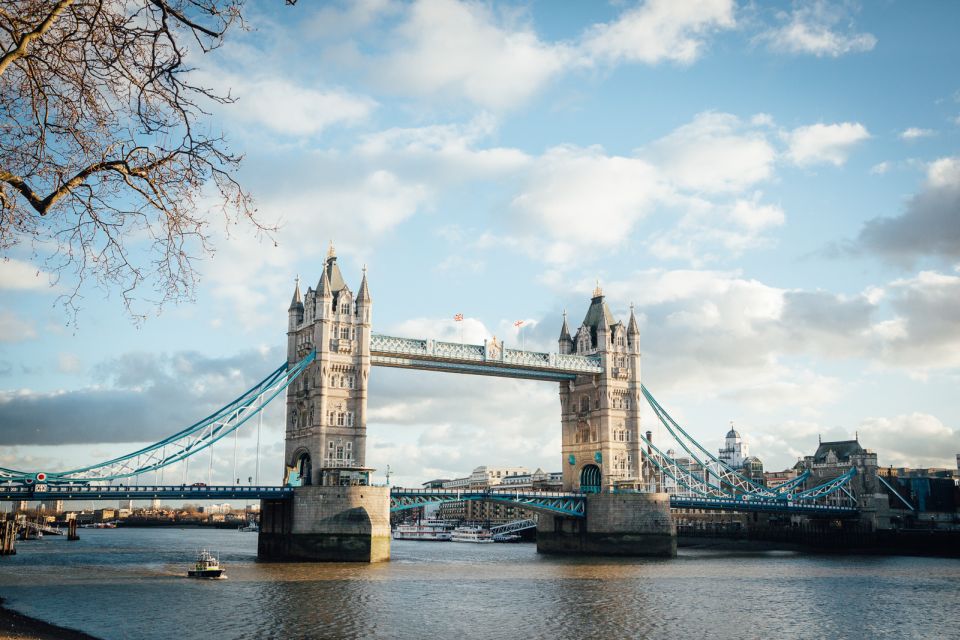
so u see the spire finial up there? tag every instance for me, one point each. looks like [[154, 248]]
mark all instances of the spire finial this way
[[564, 315], [331, 252], [598, 291], [297, 280], [364, 269]]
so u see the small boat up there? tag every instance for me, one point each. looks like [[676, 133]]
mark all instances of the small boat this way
[[472, 534], [207, 566], [435, 530], [250, 526]]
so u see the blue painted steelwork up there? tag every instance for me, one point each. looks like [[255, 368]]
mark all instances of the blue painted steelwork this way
[[763, 505], [896, 493], [571, 504], [182, 444], [145, 492], [477, 369]]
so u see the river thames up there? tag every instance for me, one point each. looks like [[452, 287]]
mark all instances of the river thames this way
[[129, 583]]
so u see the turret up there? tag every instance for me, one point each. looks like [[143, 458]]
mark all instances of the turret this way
[[364, 300], [633, 332], [324, 296], [565, 341]]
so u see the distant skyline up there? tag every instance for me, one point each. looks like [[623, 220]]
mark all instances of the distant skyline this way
[[774, 186]]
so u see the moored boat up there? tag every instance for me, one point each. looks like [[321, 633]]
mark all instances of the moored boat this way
[[206, 566], [430, 530], [472, 534]]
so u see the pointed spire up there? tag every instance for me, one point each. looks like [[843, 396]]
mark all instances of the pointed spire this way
[[632, 327], [297, 302], [565, 330], [364, 295], [323, 287], [331, 252]]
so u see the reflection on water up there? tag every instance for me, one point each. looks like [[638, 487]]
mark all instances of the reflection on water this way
[[129, 583]]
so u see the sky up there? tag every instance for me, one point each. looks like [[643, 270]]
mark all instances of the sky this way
[[774, 186]]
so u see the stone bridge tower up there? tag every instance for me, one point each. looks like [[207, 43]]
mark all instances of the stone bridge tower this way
[[601, 412], [327, 405]]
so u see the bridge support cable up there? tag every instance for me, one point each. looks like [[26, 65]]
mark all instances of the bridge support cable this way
[[741, 485], [182, 445], [721, 470]]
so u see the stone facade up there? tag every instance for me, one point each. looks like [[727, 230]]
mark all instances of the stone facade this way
[[327, 406], [617, 524], [600, 413]]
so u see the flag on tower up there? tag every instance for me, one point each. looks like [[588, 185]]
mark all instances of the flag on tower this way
[[518, 323], [458, 317]]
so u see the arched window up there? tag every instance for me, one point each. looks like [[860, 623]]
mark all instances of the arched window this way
[[584, 403]]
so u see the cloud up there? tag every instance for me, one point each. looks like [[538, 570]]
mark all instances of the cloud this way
[[454, 49], [714, 153], [929, 225], [880, 168], [285, 106], [824, 143], [659, 30], [915, 133], [583, 196], [911, 440], [13, 328], [17, 275], [140, 398], [811, 29]]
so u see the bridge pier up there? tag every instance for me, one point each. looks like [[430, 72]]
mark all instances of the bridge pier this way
[[326, 524], [616, 524]]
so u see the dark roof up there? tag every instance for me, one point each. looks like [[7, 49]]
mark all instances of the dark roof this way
[[297, 302], [598, 315], [733, 433], [565, 330], [843, 449], [364, 294], [336, 278]]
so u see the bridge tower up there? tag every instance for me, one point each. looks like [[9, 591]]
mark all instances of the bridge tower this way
[[600, 413], [327, 407], [335, 514]]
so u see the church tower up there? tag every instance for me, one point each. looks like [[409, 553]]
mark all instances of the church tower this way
[[601, 412], [327, 405]]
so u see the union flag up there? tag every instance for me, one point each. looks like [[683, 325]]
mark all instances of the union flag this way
[[458, 317]]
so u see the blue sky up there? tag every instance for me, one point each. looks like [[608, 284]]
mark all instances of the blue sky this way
[[776, 187]]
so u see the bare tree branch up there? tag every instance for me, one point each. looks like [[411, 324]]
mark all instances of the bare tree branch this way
[[104, 171]]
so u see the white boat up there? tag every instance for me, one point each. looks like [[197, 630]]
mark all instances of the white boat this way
[[472, 534], [250, 526], [433, 530]]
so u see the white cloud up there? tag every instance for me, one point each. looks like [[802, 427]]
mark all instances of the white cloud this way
[[13, 328], [19, 275], [462, 49], [713, 153], [811, 28], [914, 133], [880, 168], [584, 196], [915, 439], [291, 108], [824, 143], [659, 30]]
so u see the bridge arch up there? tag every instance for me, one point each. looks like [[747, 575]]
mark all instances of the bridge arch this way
[[300, 470], [590, 478]]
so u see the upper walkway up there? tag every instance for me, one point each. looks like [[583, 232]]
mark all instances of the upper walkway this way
[[489, 359]]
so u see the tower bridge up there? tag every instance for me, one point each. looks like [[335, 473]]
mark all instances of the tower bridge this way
[[615, 480]]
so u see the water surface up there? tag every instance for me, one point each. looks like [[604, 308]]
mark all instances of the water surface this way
[[130, 583]]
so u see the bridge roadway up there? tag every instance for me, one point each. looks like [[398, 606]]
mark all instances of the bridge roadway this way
[[570, 504]]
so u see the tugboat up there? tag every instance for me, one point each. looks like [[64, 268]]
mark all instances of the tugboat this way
[[207, 566]]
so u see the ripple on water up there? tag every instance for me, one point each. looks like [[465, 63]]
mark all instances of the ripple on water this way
[[129, 583]]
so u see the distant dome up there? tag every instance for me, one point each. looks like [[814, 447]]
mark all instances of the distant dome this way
[[733, 434]]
